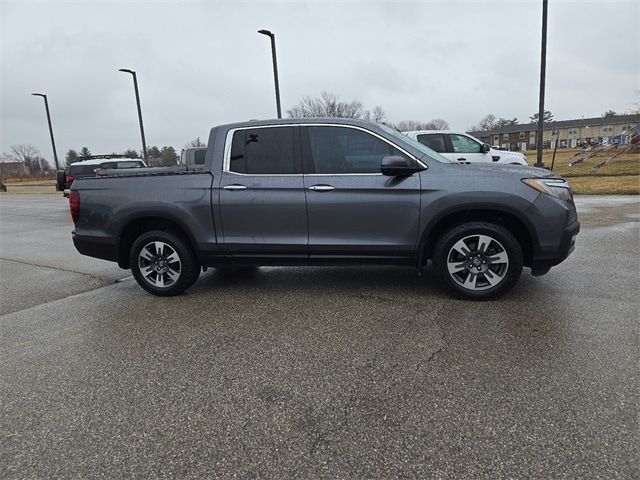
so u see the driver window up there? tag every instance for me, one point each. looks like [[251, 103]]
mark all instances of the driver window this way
[[340, 150], [462, 144]]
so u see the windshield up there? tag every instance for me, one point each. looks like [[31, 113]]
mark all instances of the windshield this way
[[416, 144]]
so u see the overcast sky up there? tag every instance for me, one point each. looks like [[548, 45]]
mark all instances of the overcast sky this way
[[202, 63]]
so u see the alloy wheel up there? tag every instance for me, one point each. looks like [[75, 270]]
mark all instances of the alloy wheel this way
[[478, 262], [159, 264]]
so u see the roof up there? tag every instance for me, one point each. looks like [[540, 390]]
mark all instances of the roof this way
[[297, 121], [577, 123]]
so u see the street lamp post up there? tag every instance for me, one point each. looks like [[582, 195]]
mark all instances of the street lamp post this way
[[53, 143], [135, 86], [272, 36], [543, 68]]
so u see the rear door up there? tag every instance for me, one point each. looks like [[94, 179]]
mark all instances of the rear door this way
[[438, 142], [262, 200], [354, 210]]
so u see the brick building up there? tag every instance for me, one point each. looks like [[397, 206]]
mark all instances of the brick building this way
[[12, 169], [568, 133]]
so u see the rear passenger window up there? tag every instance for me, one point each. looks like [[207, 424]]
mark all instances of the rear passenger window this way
[[198, 157], [340, 150], [263, 151], [132, 164], [435, 141]]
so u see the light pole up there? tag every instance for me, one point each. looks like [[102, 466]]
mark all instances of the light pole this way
[[272, 36], [543, 68], [135, 86], [53, 143]]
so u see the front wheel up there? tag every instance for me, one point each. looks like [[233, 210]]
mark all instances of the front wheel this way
[[478, 260], [163, 263]]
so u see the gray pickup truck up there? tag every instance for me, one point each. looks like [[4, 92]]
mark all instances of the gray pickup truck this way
[[325, 192]]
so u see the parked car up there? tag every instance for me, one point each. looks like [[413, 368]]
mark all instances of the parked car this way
[[324, 192], [88, 166], [462, 147], [193, 156]]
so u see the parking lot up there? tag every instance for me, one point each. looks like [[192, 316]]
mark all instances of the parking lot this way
[[338, 372]]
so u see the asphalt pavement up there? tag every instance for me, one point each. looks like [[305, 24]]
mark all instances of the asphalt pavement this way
[[358, 372]]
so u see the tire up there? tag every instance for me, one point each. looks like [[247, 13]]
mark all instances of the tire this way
[[163, 263], [478, 260], [61, 179]]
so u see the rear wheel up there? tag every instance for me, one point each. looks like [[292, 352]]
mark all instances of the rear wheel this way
[[163, 263], [478, 260]]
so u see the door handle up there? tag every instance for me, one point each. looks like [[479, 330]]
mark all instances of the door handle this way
[[234, 187], [321, 188], [462, 159]]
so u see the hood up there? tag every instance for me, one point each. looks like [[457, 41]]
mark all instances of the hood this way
[[506, 153], [493, 169]]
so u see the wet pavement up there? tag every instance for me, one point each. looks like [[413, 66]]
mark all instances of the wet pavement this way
[[316, 372]]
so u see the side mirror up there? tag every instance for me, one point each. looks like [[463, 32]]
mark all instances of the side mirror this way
[[395, 166], [485, 148]]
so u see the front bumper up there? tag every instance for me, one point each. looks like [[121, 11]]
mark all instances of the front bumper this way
[[543, 262]]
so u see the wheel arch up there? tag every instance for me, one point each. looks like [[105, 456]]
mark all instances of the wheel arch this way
[[134, 227], [493, 214]]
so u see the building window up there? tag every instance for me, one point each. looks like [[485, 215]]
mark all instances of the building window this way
[[573, 131], [505, 136], [521, 135], [607, 128]]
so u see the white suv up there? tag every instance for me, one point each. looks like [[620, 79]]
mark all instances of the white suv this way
[[464, 148]]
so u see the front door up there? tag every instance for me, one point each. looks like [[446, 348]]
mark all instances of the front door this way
[[467, 149], [353, 210], [262, 200]]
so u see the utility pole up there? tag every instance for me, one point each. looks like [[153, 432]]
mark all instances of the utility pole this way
[[543, 68], [272, 36], [135, 86], [53, 143]]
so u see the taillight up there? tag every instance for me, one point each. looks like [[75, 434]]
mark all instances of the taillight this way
[[70, 179], [74, 205]]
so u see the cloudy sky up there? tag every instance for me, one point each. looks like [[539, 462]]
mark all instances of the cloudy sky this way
[[202, 63]]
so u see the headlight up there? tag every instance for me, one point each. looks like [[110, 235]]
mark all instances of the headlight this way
[[556, 187]]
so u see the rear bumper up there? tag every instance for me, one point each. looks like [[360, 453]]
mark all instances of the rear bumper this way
[[105, 248]]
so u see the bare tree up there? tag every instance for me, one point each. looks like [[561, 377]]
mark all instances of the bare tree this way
[[196, 142], [330, 105], [35, 163], [409, 125], [488, 122], [438, 124], [376, 116], [24, 152]]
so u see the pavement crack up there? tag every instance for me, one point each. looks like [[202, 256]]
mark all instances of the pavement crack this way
[[90, 275]]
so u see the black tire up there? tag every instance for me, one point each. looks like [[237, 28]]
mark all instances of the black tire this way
[[491, 258], [61, 179], [175, 276]]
